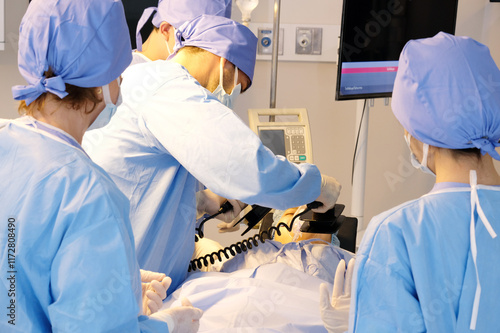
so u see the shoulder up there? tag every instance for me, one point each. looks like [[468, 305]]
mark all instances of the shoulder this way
[[160, 80]]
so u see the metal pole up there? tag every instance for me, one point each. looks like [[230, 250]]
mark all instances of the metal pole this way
[[358, 183], [274, 62]]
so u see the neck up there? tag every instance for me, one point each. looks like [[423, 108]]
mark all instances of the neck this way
[[154, 47], [203, 66], [73, 122], [456, 169]]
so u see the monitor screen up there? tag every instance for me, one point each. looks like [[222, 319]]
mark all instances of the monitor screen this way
[[373, 34], [274, 140], [133, 12]]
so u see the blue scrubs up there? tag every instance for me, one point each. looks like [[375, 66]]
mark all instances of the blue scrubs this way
[[67, 257], [168, 134], [414, 269]]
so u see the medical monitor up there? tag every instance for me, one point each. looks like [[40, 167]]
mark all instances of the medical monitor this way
[[373, 34], [284, 131], [133, 12]]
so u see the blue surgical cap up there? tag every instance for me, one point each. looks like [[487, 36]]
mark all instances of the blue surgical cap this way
[[447, 93], [221, 36], [84, 42], [176, 12]]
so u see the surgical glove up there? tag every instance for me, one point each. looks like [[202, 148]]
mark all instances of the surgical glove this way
[[210, 203], [153, 294], [228, 227], [148, 276], [330, 191], [335, 313], [182, 319]]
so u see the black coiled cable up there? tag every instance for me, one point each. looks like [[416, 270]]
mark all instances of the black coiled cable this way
[[226, 206], [243, 246]]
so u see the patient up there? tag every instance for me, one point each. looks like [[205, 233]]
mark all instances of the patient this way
[[273, 287]]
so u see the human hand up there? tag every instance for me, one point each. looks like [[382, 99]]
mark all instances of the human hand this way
[[330, 191], [148, 276], [153, 294], [182, 319], [335, 312], [210, 203]]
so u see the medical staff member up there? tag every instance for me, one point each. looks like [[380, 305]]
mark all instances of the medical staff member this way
[[432, 264], [168, 16], [67, 249], [172, 131]]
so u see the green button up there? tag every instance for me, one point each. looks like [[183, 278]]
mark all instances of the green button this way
[[302, 157]]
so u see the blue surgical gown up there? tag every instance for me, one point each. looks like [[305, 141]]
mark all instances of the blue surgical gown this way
[[73, 268], [414, 269], [168, 134]]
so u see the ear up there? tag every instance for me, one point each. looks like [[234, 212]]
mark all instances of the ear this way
[[164, 29]]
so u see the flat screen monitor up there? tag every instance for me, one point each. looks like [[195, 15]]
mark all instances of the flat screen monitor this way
[[373, 34], [133, 12], [274, 140]]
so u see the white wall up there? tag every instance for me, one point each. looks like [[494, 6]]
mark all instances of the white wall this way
[[390, 178]]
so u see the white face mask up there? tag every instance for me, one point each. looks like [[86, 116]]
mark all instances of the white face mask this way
[[220, 93], [105, 116], [416, 164]]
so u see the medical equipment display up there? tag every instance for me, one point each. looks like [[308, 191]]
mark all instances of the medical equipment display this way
[[288, 135], [133, 12], [373, 35]]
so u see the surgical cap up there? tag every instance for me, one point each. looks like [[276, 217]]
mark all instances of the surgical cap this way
[[84, 42], [176, 12], [221, 36], [447, 93]]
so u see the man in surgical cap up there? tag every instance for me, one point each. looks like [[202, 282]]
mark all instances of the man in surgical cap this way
[[432, 264], [172, 132], [168, 16]]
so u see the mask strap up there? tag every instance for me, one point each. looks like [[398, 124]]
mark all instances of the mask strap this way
[[168, 48], [425, 154], [475, 205], [235, 75], [221, 82], [106, 94]]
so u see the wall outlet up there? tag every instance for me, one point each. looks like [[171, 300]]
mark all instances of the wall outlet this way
[[265, 43]]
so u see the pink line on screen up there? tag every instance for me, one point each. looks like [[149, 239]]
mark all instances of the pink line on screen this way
[[369, 70]]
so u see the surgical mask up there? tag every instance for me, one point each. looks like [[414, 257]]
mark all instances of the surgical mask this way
[[105, 116], [416, 164], [220, 93]]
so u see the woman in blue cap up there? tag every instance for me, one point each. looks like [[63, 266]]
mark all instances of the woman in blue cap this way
[[67, 249], [433, 264]]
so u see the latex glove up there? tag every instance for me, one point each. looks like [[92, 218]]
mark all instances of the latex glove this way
[[228, 227], [209, 202], [148, 276], [153, 294], [330, 191], [335, 313], [182, 319]]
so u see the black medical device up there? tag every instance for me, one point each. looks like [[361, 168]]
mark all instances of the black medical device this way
[[373, 34], [328, 222], [253, 217]]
